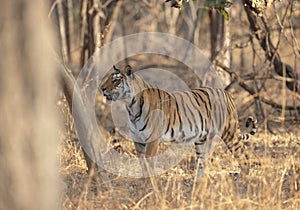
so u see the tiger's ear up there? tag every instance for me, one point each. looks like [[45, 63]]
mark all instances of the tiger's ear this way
[[116, 69], [128, 71]]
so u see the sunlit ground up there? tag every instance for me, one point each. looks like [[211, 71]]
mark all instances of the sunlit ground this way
[[273, 185]]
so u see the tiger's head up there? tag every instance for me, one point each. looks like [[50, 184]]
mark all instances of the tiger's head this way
[[116, 86]]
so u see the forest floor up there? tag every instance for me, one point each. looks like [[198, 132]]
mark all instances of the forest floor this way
[[272, 185]]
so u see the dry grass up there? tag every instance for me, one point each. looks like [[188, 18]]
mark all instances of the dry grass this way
[[274, 185]]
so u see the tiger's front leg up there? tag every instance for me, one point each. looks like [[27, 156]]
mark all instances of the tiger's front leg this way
[[140, 151], [146, 152]]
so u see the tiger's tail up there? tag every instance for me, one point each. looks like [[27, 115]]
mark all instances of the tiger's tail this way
[[249, 122]]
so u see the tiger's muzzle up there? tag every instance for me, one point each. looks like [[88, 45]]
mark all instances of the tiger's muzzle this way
[[109, 96]]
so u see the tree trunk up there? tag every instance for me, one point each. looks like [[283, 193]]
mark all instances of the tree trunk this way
[[71, 31], [28, 123], [261, 29], [219, 42], [87, 30], [63, 32]]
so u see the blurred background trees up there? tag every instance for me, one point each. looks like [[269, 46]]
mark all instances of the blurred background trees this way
[[256, 40], [253, 44]]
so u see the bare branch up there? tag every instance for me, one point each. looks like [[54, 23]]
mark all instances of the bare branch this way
[[262, 33], [251, 91]]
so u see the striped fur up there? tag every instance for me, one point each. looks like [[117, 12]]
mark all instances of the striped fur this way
[[198, 115]]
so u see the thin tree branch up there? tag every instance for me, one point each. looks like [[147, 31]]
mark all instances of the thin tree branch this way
[[251, 91], [262, 33]]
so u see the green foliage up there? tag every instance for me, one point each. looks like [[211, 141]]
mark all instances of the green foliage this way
[[220, 6]]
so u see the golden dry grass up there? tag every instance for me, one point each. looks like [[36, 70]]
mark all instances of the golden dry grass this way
[[273, 185]]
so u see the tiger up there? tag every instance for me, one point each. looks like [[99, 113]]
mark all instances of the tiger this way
[[195, 116]]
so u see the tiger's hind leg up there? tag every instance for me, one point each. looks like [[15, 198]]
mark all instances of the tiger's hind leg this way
[[237, 148], [234, 141], [200, 156], [204, 148]]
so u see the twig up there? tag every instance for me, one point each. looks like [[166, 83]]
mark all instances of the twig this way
[[147, 3], [142, 199], [52, 8], [108, 2], [251, 91]]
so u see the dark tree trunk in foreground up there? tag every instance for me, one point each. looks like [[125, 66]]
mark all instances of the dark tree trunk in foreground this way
[[28, 122]]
